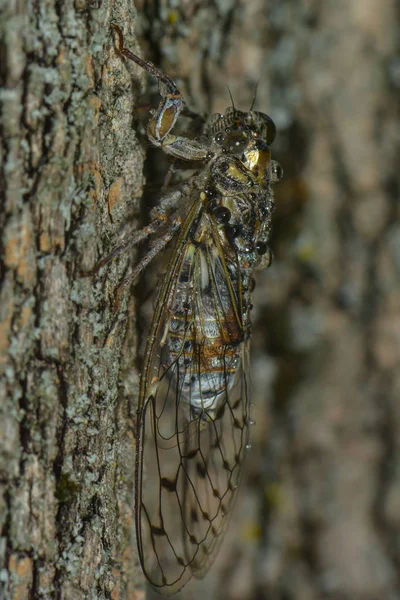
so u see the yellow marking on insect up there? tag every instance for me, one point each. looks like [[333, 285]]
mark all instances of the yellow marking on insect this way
[[203, 197], [170, 139], [235, 173], [258, 161], [252, 158]]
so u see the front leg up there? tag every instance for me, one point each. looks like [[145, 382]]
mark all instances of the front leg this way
[[164, 118]]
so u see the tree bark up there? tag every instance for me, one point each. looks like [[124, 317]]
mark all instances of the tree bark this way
[[319, 514], [71, 177]]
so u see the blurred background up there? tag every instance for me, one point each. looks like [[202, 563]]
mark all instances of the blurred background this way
[[318, 515]]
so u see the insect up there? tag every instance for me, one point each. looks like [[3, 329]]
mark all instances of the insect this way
[[193, 415]]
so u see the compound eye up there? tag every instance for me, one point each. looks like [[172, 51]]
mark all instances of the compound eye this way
[[268, 126], [220, 138]]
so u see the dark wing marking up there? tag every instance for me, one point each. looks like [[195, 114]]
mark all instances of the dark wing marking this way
[[193, 413]]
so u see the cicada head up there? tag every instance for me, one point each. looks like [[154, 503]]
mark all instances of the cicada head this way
[[247, 135], [261, 125]]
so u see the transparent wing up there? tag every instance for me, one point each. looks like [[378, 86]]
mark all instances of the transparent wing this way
[[193, 414]]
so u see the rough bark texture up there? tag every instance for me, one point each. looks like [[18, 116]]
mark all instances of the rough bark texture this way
[[319, 512], [71, 176]]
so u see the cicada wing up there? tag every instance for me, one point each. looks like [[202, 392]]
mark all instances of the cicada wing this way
[[193, 418], [214, 475]]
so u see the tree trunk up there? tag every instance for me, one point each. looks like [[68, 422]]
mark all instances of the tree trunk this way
[[318, 515], [71, 177]]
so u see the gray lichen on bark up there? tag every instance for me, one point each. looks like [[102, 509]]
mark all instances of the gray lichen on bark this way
[[71, 176]]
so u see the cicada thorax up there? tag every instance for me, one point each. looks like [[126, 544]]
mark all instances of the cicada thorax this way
[[242, 207]]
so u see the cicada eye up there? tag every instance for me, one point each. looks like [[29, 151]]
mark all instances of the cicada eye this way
[[268, 127], [220, 138]]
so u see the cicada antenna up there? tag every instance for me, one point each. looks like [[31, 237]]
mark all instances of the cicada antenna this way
[[231, 97], [254, 96], [145, 64]]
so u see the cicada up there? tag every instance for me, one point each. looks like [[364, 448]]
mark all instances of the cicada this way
[[193, 415]]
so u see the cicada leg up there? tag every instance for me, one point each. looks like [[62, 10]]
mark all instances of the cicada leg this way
[[159, 218], [165, 116], [155, 249], [132, 240]]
